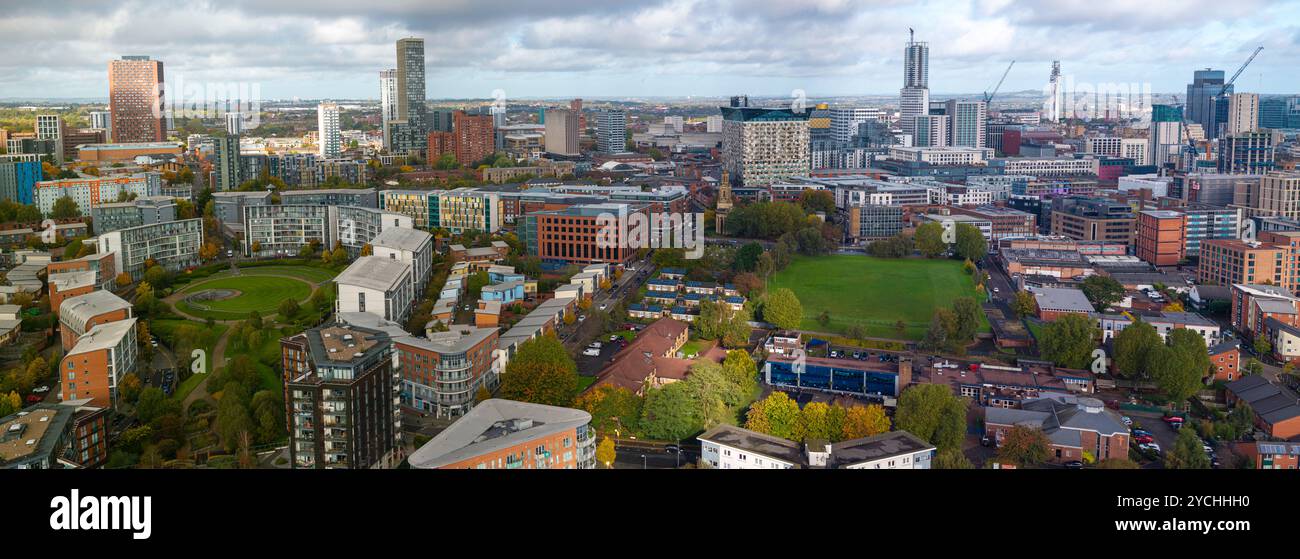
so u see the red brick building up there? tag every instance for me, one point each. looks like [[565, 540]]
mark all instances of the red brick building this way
[[1225, 359], [474, 137], [1161, 237], [1073, 426], [1270, 455]]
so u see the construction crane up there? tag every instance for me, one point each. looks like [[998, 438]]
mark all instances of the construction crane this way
[[988, 97], [1228, 83]]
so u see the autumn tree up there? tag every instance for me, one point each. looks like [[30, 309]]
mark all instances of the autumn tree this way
[[929, 239], [1024, 447], [606, 452], [782, 309], [776, 415], [1187, 453], [865, 421], [933, 413], [1024, 304], [541, 373], [1134, 347]]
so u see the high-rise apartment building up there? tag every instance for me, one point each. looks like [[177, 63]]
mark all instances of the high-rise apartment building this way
[[1277, 194], [1161, 237], [846, 121], [225, 170], [930, 131], [473, 137], [409, 131], [328, 138], [968, 122], [387, 102], [1165, 138], [136, 99], [1243, 113], [915, 96], [1250, 153], [561, 131], [50, 127], [611, 131], [341, 391], [761, 146]]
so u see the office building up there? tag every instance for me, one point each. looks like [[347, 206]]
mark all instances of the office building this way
[[341, 398], [574, 234], [102, 120], [845, 122], [136, 100], [1092, 219], [507, 435], [867, 222], [173, 245], [1231, 261], [1166, 137], [1250, 153], [1206, 85], [611, 131], [931, 131], [561, 131], [1161, 237], [328, 139]]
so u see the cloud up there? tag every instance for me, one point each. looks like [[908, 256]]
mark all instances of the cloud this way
[[334, 48]]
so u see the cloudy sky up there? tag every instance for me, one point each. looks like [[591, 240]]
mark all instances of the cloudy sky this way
[[626, 48]]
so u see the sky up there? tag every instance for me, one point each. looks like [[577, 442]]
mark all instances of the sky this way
[[334, 49]]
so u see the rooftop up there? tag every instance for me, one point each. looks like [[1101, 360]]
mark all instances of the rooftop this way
[[495, 425], [878, 447], [758, 443], [82, 308], [1061, 299], [374, 272], [103, 336], [401, 238]]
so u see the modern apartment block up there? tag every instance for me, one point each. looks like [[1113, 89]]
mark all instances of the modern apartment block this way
[[1206, 221], [19, 174], [68, 434], [458, 210], [328, 139], [1251, 153], [95, 364], [611, 131], [1277, 194], [968, 123], [50, 127], [1092, 219], [102, 265], [407, 133], [561, 132], [285, 228], [91, 192], [474, 135], [174, 245], [78, 315], [341, 391], [381, 286], [1231, 261], [147, 210], [507, 435], [360, 197], [387, 102], [442, 374], [761, 146], [867, 222], [413, 246], [226, 168], [732, 448], [136, 99], [1161, 237]]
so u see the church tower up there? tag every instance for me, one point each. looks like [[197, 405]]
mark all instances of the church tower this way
[[723, 203]]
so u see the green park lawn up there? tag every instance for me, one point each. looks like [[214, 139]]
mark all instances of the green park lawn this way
[[257, 292], [874, 293]]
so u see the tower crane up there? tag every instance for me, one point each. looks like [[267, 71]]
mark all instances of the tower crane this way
[[1228, 83], [988, 97]]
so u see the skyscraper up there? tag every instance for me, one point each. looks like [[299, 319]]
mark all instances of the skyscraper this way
[[914, 98], [1166, 134], [845, 121], [931, 131], [327, 130], [1205, 85], [226, 171], [611, 131], [761, 146], [561, 132], [136, 99], [388, 101], [409, 131], [576, 106]]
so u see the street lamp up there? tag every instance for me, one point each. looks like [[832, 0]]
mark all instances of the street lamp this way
[[643, 462]]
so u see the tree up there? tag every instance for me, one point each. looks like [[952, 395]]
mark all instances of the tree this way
[[929, 239], [1187, 453], [1133, 346], [149, 404], [1179, 368], [971, 244], [1117, 464], [967, 313], [747, 257], [864, 421], [65, 207], [951, 459], [612, 407], [782, 309], [482, 394], [775, 415], [123, 279], [1068, 341], [1102, 291], [1024, 447], [741, 370], [942, 327], [715, 394], [671, 412], [1262, 346], [933, 413], [1024, 304], [606, 453], [288, 309], [541, 373]]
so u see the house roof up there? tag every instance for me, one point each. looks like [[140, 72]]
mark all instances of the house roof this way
[[374, 272], [757, 443], [1061, 299]]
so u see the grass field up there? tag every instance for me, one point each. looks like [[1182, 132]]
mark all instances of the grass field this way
[[874, 293], [262, 289]]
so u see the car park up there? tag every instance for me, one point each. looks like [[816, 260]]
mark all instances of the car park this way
[[591, 352], [1154, 447], [1144, 439]]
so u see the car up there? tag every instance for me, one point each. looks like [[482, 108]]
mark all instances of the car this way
[[34, 398], [1142, 433], [603, 305], [41, 389], [1127, 420], [1154, 447], [1172, 419], [996, 290], [590, 352], [595, 345], [613, 337], [1073, 465], [581, 317], [672, 449], [1144, 439], [230, 254]]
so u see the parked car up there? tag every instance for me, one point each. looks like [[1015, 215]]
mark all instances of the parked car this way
[[613, 337], [1172, 419], [603, 305], [672, 449], [1127, 420], [1154, 447], [1144, 439], [41, 389], [1141, 433], [34, 398], [594, 345], [1073, 465], [589, 352]]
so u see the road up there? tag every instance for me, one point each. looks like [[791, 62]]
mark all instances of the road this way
[[582, 333], [632, 455]]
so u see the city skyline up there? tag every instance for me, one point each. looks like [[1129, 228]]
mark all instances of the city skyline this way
[[672, 48]]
